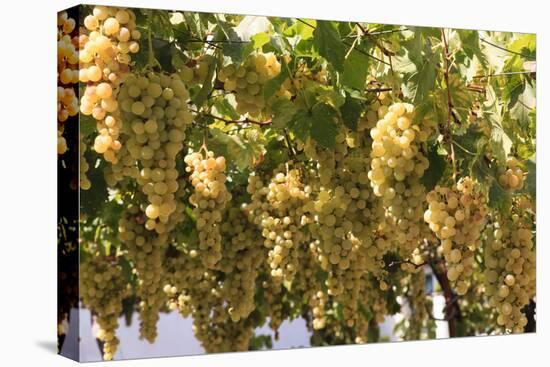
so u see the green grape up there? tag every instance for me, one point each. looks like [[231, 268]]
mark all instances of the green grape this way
[[457, 216], [102, 288], [209, 198], [510, 273]]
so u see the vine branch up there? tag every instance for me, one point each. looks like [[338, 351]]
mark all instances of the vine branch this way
[[229, 121]]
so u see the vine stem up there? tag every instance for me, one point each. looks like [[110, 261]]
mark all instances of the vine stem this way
[[448, 135], [452, 311], [228, 121]]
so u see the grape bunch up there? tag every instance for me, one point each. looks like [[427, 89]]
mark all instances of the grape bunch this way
[[247, 81], [457, 216], [146, 250], [108, 38], [348, 243], [210, 196], [156, 116], [278, 210], [102, 288], [513, 177], [243, 255], [397, 165], [85, 183], [67, 75], [510, 271]]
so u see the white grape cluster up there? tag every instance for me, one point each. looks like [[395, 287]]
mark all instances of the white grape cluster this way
[[513, 177], [156, 116], [243, 255], [102, 288], [209, 198], [146, 250], [67, 75], [457, 216], [196, 291], [108, 38], [510, 273], [85, 183], [278, 210], [247, 80], [397, 165], [346, 217]]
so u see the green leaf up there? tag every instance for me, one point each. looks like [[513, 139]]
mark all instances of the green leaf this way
[[202, 95], [499, 198], [530, 186], [283, 111], [471, 46], [329, 45], [356, 68], [242, 154], [436, 169], [423, 80], [323, 129], [351, 111], [257, 41], [301, 125], [225, 108]]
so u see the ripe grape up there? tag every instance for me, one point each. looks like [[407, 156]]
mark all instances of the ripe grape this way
[[209, 198], [457, 216]]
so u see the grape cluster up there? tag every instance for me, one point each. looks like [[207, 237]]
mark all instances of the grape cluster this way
[[348, 243], [197, 291], [155, 113], [513, 177], [278, 210], [209, 198], [243, 256], [397, 165], [146, 251], [457, 215], [67, 75], [85, 183], [108, 38], [510, 271], [102, 288], [247, 80]]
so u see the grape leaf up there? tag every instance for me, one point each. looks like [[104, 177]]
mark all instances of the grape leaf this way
[[499, 198], [351, 111], [242, 154], [301, 125], [225, 108], [283, 111], [257, 41], [323, 129], [470, 45], [530, 185], [202, 95], [329, 45], [356, 68], [436, 169]]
